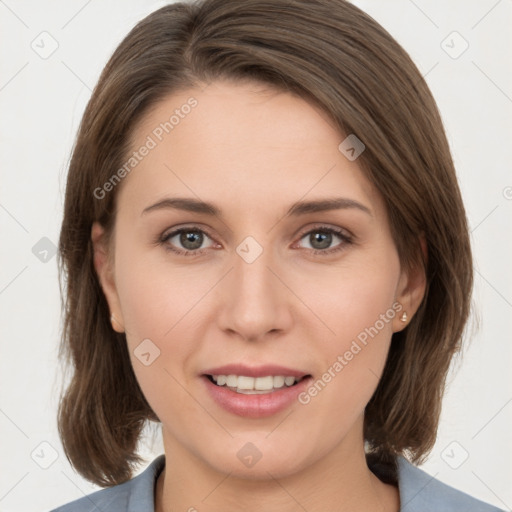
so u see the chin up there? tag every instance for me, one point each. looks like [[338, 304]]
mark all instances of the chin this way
[[256, 458]]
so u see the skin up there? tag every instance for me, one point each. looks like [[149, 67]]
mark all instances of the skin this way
[[253, 152]]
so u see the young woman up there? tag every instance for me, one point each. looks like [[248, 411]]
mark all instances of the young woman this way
[[265, 250]]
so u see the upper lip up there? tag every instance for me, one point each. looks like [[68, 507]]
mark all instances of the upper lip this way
[[255, 371]]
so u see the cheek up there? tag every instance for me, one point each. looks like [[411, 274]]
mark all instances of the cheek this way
[[156, 306], [350, 298], [156, 296], [356, 304]]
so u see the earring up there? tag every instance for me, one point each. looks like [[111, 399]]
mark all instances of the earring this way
[[404, 317]]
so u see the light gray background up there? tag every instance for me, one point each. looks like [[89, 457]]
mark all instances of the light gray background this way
[[41, 103]]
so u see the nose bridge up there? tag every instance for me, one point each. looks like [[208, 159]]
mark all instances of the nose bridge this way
[[254, 302]]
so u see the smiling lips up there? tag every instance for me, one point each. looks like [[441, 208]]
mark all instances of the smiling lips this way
[[254, 385], [254, 392]]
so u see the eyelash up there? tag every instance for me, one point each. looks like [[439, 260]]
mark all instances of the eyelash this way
[[345, 240]]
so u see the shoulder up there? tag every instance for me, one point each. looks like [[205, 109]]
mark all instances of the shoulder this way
[[420, 492], [132, 496]]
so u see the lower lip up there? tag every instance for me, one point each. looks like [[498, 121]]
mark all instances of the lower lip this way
[[255, 406]]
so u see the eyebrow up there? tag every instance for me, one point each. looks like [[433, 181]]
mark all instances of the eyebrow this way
[[296, 209]]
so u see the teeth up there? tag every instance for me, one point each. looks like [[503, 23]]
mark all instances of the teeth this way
[[264, 383], [245, 382], [254, 385], [289, 380], [231, 381], [279, 381]]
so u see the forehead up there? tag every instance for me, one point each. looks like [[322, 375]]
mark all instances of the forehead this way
[[242, 143]]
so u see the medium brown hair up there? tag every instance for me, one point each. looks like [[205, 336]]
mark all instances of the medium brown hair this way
[[334, 55]]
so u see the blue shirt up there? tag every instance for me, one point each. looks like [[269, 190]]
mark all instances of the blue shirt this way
[[419, 492]]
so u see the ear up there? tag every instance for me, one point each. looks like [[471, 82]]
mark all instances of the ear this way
[[103, 264], [411, 290]]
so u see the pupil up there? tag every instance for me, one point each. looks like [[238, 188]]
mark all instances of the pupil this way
[[320, 240], [191, 240]]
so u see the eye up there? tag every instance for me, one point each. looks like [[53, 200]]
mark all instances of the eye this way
[[320, 240], [186, 241]]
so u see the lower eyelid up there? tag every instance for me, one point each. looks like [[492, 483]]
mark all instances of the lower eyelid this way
[[166, 237], [164, 240]]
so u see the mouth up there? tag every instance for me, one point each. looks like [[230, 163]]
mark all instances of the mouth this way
[[254, 391], [248, 385]]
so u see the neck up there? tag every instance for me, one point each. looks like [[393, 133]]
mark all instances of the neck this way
[[339, 481]]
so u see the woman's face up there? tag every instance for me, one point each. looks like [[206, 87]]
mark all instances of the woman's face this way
[[284, 267]]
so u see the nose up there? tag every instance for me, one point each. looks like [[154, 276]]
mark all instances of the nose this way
[[254, 303]]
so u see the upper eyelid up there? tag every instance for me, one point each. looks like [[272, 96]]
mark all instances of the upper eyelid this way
[[198, 227], [325, 227], [175, 230], [337, 231]]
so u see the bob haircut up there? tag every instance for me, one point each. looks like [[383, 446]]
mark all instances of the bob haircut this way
[[335, 56]]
